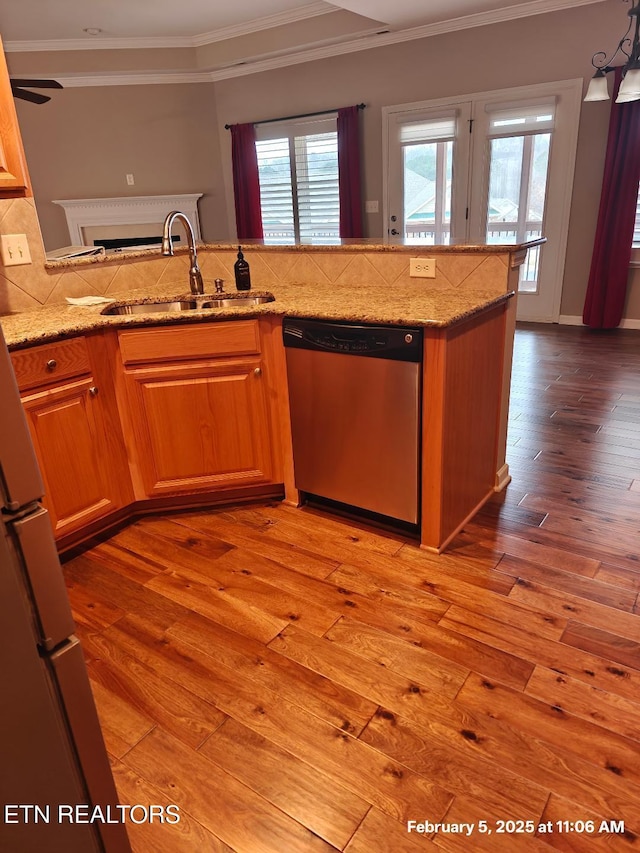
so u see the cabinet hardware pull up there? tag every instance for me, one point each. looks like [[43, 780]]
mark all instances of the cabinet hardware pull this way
[[257, 371], [93, 391], [51, 364]]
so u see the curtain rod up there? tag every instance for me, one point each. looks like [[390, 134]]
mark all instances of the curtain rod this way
[[302, 115]]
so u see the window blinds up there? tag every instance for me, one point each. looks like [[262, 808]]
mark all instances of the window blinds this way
[[298, 171], [515, 121], [428, 130]]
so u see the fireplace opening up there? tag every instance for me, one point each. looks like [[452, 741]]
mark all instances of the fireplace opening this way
[[118, 244]]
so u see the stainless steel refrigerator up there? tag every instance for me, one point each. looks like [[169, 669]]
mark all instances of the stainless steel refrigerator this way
[[52, 753]]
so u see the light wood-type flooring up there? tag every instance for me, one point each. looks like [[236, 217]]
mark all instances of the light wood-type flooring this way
[[298, 683]]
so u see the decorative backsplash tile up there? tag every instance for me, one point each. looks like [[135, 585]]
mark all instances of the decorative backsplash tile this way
[[23, 288]]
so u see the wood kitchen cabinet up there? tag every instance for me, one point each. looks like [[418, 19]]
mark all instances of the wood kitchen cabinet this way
[[14, 179], [70, 407], [199, 414]]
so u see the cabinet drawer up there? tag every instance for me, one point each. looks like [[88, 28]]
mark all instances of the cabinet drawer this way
[[239, 337], [50, 363]]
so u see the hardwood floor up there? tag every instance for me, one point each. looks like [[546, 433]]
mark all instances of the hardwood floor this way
[[301, 683]]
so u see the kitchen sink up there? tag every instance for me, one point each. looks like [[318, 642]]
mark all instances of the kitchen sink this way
[[150, 307], [196, 304], [236, 301]]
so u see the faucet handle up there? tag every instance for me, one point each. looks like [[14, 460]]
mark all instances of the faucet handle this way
[[219, 283]]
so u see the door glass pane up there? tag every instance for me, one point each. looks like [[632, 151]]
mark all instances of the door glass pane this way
[[427, 179], [517, 196]]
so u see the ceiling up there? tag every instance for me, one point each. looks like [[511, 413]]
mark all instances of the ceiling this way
[[227, 35], [41, 20]]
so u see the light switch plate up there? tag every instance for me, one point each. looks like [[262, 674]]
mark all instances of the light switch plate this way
[[14, 250], [422, 267]]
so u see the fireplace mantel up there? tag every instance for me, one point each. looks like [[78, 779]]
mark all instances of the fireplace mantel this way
[[127, 210]]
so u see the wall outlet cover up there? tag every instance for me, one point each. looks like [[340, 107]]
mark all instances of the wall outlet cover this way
[[422, 267]]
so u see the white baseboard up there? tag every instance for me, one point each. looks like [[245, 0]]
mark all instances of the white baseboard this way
[[503, 478], [569, 320]]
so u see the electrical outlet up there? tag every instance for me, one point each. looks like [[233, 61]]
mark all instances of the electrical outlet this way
[[14, 250], [130, 180], [422, 267]]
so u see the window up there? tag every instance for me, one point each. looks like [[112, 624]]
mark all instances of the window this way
[[519, 145], [427, 162], [298, 172]]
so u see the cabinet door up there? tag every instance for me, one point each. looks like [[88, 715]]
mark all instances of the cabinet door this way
[[13, 172], [200, 426], [68, 431]]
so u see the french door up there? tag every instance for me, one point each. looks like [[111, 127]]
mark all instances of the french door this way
[[428, 174], [488, 168]]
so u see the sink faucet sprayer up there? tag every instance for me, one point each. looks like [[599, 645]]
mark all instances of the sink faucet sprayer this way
[[195, 276]]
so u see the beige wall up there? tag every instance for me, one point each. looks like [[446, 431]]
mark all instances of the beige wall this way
[[544, 48], [194, 155], [85, 141]]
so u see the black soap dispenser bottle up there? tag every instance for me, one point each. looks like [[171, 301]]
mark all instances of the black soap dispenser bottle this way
[[241, 269]]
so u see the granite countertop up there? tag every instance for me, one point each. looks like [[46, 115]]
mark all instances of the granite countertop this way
[[371, 244], [400, 305]]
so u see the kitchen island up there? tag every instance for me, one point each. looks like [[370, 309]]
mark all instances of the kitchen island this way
[[158, 374]]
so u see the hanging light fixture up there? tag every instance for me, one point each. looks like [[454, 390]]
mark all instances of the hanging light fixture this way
[[630, 86]]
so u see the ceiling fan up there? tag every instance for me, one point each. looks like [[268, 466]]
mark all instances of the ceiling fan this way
[[34, 97]]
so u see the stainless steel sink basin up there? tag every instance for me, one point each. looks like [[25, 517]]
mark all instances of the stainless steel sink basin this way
[[196, 304], [150, 307], [236, 301]]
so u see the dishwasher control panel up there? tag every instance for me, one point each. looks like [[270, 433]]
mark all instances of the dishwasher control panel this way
[[391, 342]]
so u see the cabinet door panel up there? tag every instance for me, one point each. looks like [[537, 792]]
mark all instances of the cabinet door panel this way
[[13, 171], [67, 431], [203, 426]]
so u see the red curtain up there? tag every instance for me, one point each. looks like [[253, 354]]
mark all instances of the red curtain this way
[[609, 273], [349, 172], [246, 184]]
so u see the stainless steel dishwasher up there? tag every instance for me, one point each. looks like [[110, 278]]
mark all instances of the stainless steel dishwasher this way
[[355, 395]]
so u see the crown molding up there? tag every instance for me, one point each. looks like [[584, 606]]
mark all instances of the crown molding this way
[[95, 43], [308, 10], [142, 78], [310, 54], [479, 19]]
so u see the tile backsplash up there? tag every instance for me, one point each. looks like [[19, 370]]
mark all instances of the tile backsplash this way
[[23, 288]]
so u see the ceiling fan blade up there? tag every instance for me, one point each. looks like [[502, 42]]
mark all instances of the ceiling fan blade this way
[[34, 97], [37, 84]]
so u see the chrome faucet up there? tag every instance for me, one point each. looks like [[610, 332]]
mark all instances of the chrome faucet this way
[[195, 276]]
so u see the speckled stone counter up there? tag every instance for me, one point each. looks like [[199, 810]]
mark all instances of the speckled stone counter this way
[[407, 304], [359, 246]]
